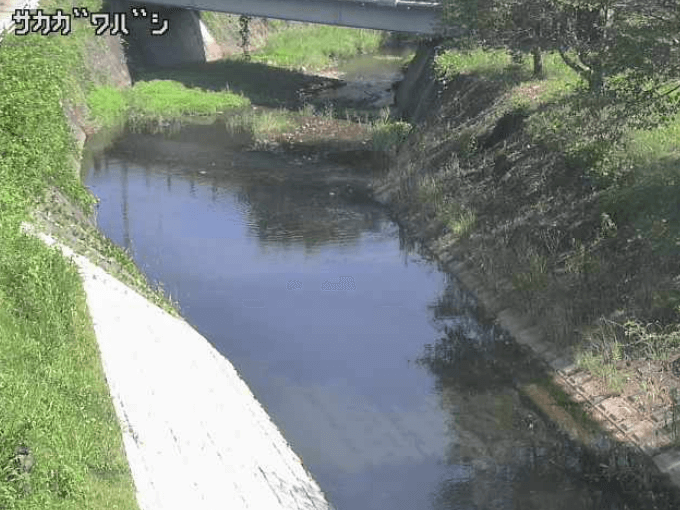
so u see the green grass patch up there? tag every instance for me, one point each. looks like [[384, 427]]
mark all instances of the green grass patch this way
[[606, 371], [156, 101], [315, 47], [165, 99], [460, 220], [388, 134], [558, 79], [645, 171], [108, 105], [54, 400], [478, 61]]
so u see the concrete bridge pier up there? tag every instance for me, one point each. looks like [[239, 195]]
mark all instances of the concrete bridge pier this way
[[183, 42]]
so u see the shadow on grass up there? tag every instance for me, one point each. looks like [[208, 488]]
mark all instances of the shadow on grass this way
[[651, 203], [264, 85]]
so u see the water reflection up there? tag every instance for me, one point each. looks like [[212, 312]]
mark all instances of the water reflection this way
[[227, 230], [513, 457]]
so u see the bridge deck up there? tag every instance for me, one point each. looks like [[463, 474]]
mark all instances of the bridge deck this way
[[392, 15]]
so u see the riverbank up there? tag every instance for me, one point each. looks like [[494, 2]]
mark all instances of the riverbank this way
[[498, 203], [221, 449], [54, 93], [502, 188], [60, 441]]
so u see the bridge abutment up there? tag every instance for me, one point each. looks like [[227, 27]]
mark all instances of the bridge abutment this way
[[182, 43]]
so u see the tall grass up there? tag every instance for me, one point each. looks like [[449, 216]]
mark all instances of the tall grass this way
[[261, 124], [315, 47], [54, 400]]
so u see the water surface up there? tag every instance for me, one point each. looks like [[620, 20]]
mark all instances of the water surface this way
[[374, 364]]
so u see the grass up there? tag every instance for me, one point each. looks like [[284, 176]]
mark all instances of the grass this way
[[263, 124], [54, 399], [388, 135], [158, 100], [577, 159], [497, 65], [478, 60], [108, 105], [646, 191], [459, 219], [315, 47]]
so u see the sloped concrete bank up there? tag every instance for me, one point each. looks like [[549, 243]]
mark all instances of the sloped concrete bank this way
[[194, 434], [636, 453]]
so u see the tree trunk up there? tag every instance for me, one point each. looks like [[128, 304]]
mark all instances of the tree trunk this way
[[596, 78], [538, 61]]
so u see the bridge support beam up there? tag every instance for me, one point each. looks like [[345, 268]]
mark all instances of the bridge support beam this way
[[396, 16]]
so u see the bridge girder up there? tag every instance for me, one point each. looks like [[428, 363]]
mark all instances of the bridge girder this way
[[391, 15]]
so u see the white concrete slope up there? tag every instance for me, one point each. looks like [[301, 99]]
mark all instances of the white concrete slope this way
[[195, 436]]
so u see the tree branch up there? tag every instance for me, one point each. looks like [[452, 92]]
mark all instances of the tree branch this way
[[581, 70]]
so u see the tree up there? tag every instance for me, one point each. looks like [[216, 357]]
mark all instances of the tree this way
[[521, 26], [602, 40], [606, 38]]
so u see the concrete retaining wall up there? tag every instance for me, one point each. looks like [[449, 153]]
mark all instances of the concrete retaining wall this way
[[183, 42], [416, 93]]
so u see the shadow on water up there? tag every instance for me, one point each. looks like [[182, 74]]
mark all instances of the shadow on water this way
[[285, 196], [265, 85], [516, 457]]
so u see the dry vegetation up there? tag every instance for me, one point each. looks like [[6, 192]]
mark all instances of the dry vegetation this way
[[571, 226]]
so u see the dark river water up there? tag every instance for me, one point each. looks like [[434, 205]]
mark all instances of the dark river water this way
[[375, 365]]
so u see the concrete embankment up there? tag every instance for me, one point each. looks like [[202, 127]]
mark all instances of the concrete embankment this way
[[194, 434]]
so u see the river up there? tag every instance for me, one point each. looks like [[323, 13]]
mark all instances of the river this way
[[376, 366]]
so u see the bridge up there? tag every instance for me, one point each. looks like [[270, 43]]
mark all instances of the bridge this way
[[188, 40], [421, 17]]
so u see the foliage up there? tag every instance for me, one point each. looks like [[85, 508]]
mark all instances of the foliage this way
[[520, 26], [603, 39], [389, 134], [244, 32], [54, 400], [630, 48]]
